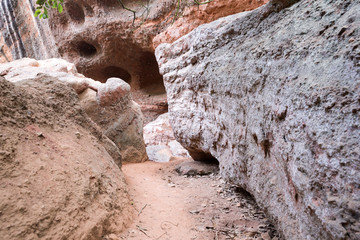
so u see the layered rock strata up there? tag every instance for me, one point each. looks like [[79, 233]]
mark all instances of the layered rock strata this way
[[274, 95]]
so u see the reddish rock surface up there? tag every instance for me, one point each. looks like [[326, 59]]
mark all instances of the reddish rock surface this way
[[102, 40], [57, 176]]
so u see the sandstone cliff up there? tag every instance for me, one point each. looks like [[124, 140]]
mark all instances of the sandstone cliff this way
[[274, 95]]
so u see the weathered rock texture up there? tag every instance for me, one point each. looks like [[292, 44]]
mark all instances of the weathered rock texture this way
[[57, 178], [112, 108], [274, 95], [161, 145], [109, 105], [21, 34]]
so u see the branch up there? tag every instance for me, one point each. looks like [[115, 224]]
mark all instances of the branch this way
[[123, 6]]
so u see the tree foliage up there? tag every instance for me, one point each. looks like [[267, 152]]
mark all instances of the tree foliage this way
[[43, 7]]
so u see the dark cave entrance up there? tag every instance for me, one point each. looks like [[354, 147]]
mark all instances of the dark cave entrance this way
[[202, 156], [151, 81]]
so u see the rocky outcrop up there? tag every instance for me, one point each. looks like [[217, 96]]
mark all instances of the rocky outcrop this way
[[104, 40], [274, 96], [109, 105], [193, 15], [161, 145], [112, 108], [57, 176]]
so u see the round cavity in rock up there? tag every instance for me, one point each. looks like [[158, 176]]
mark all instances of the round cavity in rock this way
[[113, 71], [86, 49], [151, 81], [75, 11]]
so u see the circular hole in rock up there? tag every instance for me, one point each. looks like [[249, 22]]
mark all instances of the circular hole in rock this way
[[86, 49], [75, 11], [113, 71], [151, 81]]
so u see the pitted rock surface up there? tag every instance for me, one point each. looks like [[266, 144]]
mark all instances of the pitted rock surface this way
[[273, 94]]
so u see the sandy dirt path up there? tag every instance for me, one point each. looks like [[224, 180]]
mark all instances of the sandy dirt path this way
[[172, 207]]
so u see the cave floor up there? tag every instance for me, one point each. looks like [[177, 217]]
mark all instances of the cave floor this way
[[168, 206]]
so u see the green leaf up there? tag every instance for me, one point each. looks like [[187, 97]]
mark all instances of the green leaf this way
[[60, 8], [37, 12]]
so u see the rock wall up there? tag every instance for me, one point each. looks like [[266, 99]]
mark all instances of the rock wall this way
[[57, 177], [274, 95], [23, 35], [102, 38]]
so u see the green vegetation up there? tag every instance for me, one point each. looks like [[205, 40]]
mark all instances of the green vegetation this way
[[43, 6]]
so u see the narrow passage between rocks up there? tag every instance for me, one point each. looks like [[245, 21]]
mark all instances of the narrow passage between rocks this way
[[169, 206]]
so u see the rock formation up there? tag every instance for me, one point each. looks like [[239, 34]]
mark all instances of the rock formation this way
[[57, 177], [274, 95], [103, 40], [109, 105], [161, 145]]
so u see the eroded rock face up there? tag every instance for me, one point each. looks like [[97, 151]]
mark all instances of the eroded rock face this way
[[161, 145], [109, 105], [273, 94], [58, 179]]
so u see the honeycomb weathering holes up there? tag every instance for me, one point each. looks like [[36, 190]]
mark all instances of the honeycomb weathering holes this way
[[75, 11], [86, 49]]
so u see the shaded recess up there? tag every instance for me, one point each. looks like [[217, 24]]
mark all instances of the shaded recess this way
[[75, 11], [86, 49], [201, 156], [151, 81], [108, 3], [102, 74], [113, 71]]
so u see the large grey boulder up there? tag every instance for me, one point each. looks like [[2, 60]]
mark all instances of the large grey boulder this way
[[274, 96]]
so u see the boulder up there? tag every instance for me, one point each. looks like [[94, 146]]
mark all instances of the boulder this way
[[108, 104], [57, 176], [113, 92], [160, 142], [273, 94]]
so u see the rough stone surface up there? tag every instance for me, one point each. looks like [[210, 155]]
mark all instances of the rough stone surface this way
[[113, 91], [273, 94], [57, 179], [160, 142], [103, 40], [194, 15], [109, 105]]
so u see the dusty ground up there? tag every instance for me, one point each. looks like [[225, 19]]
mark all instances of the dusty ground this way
[[173, 207]]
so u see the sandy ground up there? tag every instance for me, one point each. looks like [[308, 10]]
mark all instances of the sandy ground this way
[[173, 207]]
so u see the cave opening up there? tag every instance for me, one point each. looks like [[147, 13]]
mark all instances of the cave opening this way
[[114, 71], [102, 74], [86, 49], [75, 11], [202, 156], [151, 81]]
